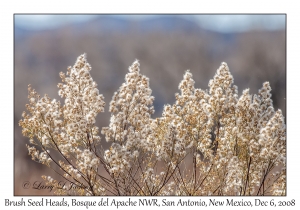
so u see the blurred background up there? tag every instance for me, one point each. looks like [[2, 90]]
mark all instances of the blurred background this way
[[254, 47]]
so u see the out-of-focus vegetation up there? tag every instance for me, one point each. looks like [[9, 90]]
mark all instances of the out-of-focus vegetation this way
[[166, 47]]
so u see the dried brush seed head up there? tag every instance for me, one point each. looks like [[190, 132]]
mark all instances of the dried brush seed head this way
[[209, 142]]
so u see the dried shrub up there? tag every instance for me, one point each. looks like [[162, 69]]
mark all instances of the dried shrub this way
[[209, 142]]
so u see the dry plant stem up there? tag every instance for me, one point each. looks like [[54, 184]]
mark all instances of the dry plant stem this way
[[209, 142]]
